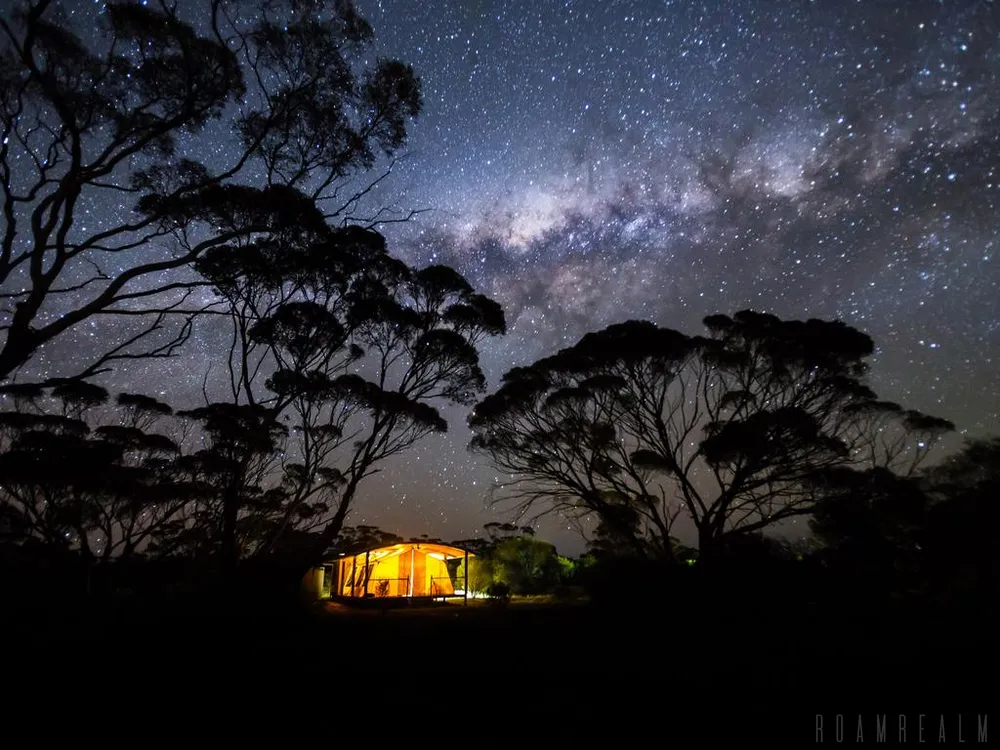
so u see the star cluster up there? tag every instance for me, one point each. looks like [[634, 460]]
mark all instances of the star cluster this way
[[586, 162]]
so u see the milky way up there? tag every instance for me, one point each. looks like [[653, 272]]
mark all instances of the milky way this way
[[590, 162]]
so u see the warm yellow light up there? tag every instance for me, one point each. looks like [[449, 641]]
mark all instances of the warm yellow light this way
[[416, 569]]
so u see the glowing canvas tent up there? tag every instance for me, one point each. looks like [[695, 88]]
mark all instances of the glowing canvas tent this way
[[409, 569]]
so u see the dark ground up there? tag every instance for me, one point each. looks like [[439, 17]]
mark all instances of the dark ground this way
[[745, 670]]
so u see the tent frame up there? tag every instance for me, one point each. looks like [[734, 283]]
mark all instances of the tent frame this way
[[338, 583]]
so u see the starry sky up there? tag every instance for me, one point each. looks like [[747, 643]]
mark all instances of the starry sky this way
[[586, 162]]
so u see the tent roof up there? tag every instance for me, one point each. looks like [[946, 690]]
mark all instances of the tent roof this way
[[381, 553]]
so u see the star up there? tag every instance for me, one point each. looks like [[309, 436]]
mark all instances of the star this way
[[585, 163]]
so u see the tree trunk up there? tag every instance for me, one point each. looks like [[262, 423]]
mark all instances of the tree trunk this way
[[20, 343], [230, 515], [299, 565], [669, 553], [332, 529], [708, 547]]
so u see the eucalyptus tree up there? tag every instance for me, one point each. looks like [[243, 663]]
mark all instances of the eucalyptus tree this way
[[125, 155], [91, 476], [351, 349], [737, 430]]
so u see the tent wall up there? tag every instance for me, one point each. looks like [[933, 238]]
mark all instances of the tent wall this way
[[398, 571], [420, 587], [404, 561]]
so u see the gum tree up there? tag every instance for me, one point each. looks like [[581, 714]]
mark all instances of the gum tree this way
[[738, 430], [350, 349], [105, 196]]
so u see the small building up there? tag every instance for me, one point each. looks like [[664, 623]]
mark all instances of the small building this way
[[410, 570]]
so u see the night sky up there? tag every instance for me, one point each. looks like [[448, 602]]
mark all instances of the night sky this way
[[586, 163]]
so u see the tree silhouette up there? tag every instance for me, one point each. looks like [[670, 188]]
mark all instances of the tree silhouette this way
[[242, 444], [871, 523], [349, 347], [739, 430], [340, 353], [963, 520], [974, 469], [498, 531], [97, 480], [515, 559], [80, 124], [528, 565], [620, 536], [939, 526], [112, 482], [353, 539]]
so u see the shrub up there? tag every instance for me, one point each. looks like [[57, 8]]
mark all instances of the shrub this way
[[498, 592]]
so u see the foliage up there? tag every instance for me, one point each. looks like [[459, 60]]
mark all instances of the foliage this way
[[476, 546], [529, 566], [340, 351], [974, 469], [937, 528], [481, 573], [129, 478], [523, 564], [358, 538], [960, 538], [872, 513], [349, 347], [83, 123], [498, 591], [618, 536], [625, 580], [104, 488], [498, 531], [234, 468], [738, 430]]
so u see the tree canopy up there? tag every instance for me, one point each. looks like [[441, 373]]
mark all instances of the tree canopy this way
[[112, 124], [737, 430], [340, 352], [107, 488], [351, 348]]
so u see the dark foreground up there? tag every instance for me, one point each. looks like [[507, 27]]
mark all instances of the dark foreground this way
[[705, 670]]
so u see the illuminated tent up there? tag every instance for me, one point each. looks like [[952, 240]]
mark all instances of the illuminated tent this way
[[409, 569]]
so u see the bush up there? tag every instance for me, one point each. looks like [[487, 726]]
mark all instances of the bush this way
[[498, 592], [616, 580]]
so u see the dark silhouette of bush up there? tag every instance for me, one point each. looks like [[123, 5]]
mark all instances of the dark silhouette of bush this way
[[498, 592], [613, 581]]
